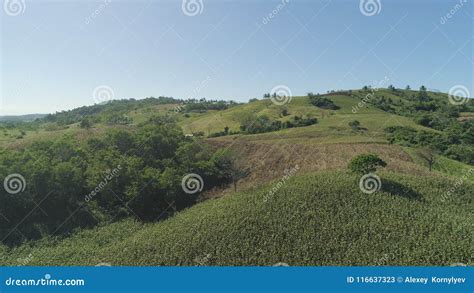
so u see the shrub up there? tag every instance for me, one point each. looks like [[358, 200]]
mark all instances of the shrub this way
[[366, 163]]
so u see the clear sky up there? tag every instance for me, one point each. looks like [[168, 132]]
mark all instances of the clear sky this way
[[54, 54]]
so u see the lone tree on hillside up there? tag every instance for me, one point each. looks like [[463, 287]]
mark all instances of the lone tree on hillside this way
[[236, 173], [429, 155], [231, 167], [365, 163]]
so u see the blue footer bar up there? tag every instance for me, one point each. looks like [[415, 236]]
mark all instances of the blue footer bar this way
[[237, 279]]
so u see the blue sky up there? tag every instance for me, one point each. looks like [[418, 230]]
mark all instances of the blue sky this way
[[54, 54]]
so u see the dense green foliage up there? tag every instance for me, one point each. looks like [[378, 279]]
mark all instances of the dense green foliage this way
[[365, 163], [124, 173], [457, 142], [263, 124], [103, 112], [322, 102], [204, 105], [314, 219]]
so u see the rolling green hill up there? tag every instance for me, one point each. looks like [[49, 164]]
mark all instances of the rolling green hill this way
[[318, 217], [313, 219]]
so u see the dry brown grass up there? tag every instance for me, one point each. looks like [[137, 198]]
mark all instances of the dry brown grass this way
[[268, 162]]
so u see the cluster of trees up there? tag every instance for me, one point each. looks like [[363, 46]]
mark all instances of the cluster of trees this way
[[71, 185], [98, 112], [263, 124], [203, 105], [322, 102], [457, 142]]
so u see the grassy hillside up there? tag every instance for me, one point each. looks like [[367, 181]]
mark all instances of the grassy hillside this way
[[314, 219], [333, 124], [319, 217]]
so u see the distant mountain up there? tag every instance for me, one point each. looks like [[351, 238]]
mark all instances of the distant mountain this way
[[21, 118]]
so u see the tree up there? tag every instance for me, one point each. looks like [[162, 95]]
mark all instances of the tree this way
[[429, 155], [237, 173], [423, 95], [85, 123], [365, 163], [230, 166], [408, 88]]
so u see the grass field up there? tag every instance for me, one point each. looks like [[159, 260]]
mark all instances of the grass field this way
[[318, 217], [313, 219]]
